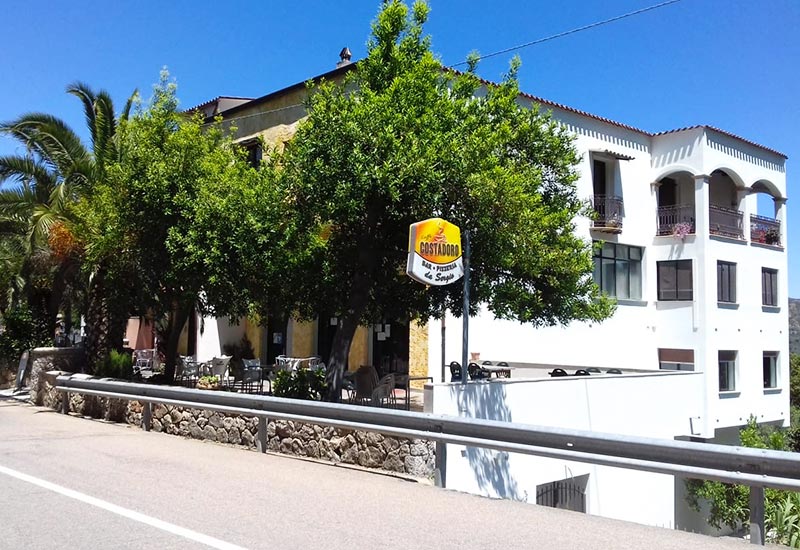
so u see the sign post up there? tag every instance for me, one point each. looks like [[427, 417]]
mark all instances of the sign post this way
[[435, 258]]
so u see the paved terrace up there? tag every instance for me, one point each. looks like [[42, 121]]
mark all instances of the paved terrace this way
[[70, 482]]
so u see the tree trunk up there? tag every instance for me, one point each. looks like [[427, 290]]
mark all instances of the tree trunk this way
[[97, 341], [176, 319], [359, 297]]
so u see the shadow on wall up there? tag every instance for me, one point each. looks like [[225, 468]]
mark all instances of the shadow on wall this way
[[487, 401]]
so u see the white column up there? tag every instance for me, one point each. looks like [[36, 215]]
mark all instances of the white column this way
[[702, 201], [780, 215], [744, 207]]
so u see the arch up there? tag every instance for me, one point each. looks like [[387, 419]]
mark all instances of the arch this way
[[731, 173], [674, 169], [768, 188]]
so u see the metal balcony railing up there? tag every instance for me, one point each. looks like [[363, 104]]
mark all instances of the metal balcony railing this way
[[609, 212], [678, 218], [725, 221], [765, 230]]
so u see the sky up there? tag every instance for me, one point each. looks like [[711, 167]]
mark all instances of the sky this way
[[732, 64]]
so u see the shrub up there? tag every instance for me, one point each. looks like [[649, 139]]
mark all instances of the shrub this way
[[115, 365], [21, 332], [300, 384]]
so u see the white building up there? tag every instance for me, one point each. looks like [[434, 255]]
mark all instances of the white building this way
[[701, 284]]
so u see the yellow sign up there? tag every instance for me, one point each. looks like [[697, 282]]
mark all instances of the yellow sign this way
[[434, 252]]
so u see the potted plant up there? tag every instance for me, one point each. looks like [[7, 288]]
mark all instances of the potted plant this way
[[682, 229], [773, 237], [208, 383]]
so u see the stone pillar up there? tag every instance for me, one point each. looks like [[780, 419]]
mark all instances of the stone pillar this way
[[702, 201]]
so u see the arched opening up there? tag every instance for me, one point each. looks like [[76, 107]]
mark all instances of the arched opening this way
[[765, 228], [676, 204], [724, 217]]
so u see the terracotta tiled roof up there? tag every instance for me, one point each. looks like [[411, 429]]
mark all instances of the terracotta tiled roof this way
[[537, 99], [724, 133], [210, 101]]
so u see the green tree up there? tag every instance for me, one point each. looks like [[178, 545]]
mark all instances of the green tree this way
[[181, 214], [36, 207], [729, 503], [403, 140]]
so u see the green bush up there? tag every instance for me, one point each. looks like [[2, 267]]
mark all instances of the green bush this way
[[21, 332], [115, 365], [300, 384]]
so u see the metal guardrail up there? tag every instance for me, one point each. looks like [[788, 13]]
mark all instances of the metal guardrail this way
[[758, 468]]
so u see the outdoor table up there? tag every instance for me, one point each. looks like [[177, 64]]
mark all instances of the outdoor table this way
[[404, 381]]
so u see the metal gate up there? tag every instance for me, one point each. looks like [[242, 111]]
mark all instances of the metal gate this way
[[565, 494]]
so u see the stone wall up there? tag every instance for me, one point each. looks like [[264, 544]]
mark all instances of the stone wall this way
[[414, 457], [43, 360]]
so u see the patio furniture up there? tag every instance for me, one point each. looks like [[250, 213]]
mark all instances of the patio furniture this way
[[382, 394], [593, 370], [220, 367], [390, 380], [189, 371], [581, 372], [366, 380], [476, 372], [455, 371], [613, 371], [403, 381], [252, 376], [556, 373], [143, 360]]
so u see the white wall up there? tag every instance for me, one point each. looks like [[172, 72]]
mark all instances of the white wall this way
[[214, 333], [657, 405]]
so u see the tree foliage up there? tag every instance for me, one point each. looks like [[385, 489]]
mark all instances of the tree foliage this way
[[403, 140], [729, 503]]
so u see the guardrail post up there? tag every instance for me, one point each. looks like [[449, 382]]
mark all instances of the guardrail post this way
[[65, 402], [440, 469], [262, 434], [757, 515], [147, 416]]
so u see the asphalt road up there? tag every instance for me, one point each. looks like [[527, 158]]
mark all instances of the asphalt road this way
[[73, 483]]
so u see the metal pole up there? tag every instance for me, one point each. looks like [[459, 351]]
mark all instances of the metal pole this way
[[465, 313], [65, 402], [440, 471], [262, 434], [147, 416], [444, 356], [757, 515]]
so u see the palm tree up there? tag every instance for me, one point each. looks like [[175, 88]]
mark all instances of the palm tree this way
[[45, 184]]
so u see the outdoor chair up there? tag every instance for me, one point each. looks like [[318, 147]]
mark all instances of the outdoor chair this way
[[389, 380], [556, 373], [476, 372], [581, 372], [503, 373], [366, 380], [455, 371], [487, 363], [382, 394], [593, 370], [613, 371], [189, 371], [220, 368], [251, 376]]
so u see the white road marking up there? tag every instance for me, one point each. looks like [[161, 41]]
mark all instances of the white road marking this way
[[124, 512]]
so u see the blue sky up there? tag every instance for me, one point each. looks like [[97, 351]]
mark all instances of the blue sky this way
[[726, 63]]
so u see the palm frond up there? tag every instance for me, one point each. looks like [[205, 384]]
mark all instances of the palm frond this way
[[82, 91]]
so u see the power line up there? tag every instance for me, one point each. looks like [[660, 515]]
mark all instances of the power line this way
[[573, 31]]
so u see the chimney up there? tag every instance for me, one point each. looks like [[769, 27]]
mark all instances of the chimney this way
[[344, 57]]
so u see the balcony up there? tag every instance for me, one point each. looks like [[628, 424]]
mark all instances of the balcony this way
[[765, 230], [608, 213], [725, 222], [676, 219]]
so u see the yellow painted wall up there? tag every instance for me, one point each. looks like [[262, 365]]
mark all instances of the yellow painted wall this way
[[418, 352], [253, 332], [302, 338], [359, 349]]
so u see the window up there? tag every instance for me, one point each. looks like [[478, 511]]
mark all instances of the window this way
[[599, 180], [618, 270], [675, 280], [676, 359], [769, 286], [770, 369], [727, 371], [726, 282]]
